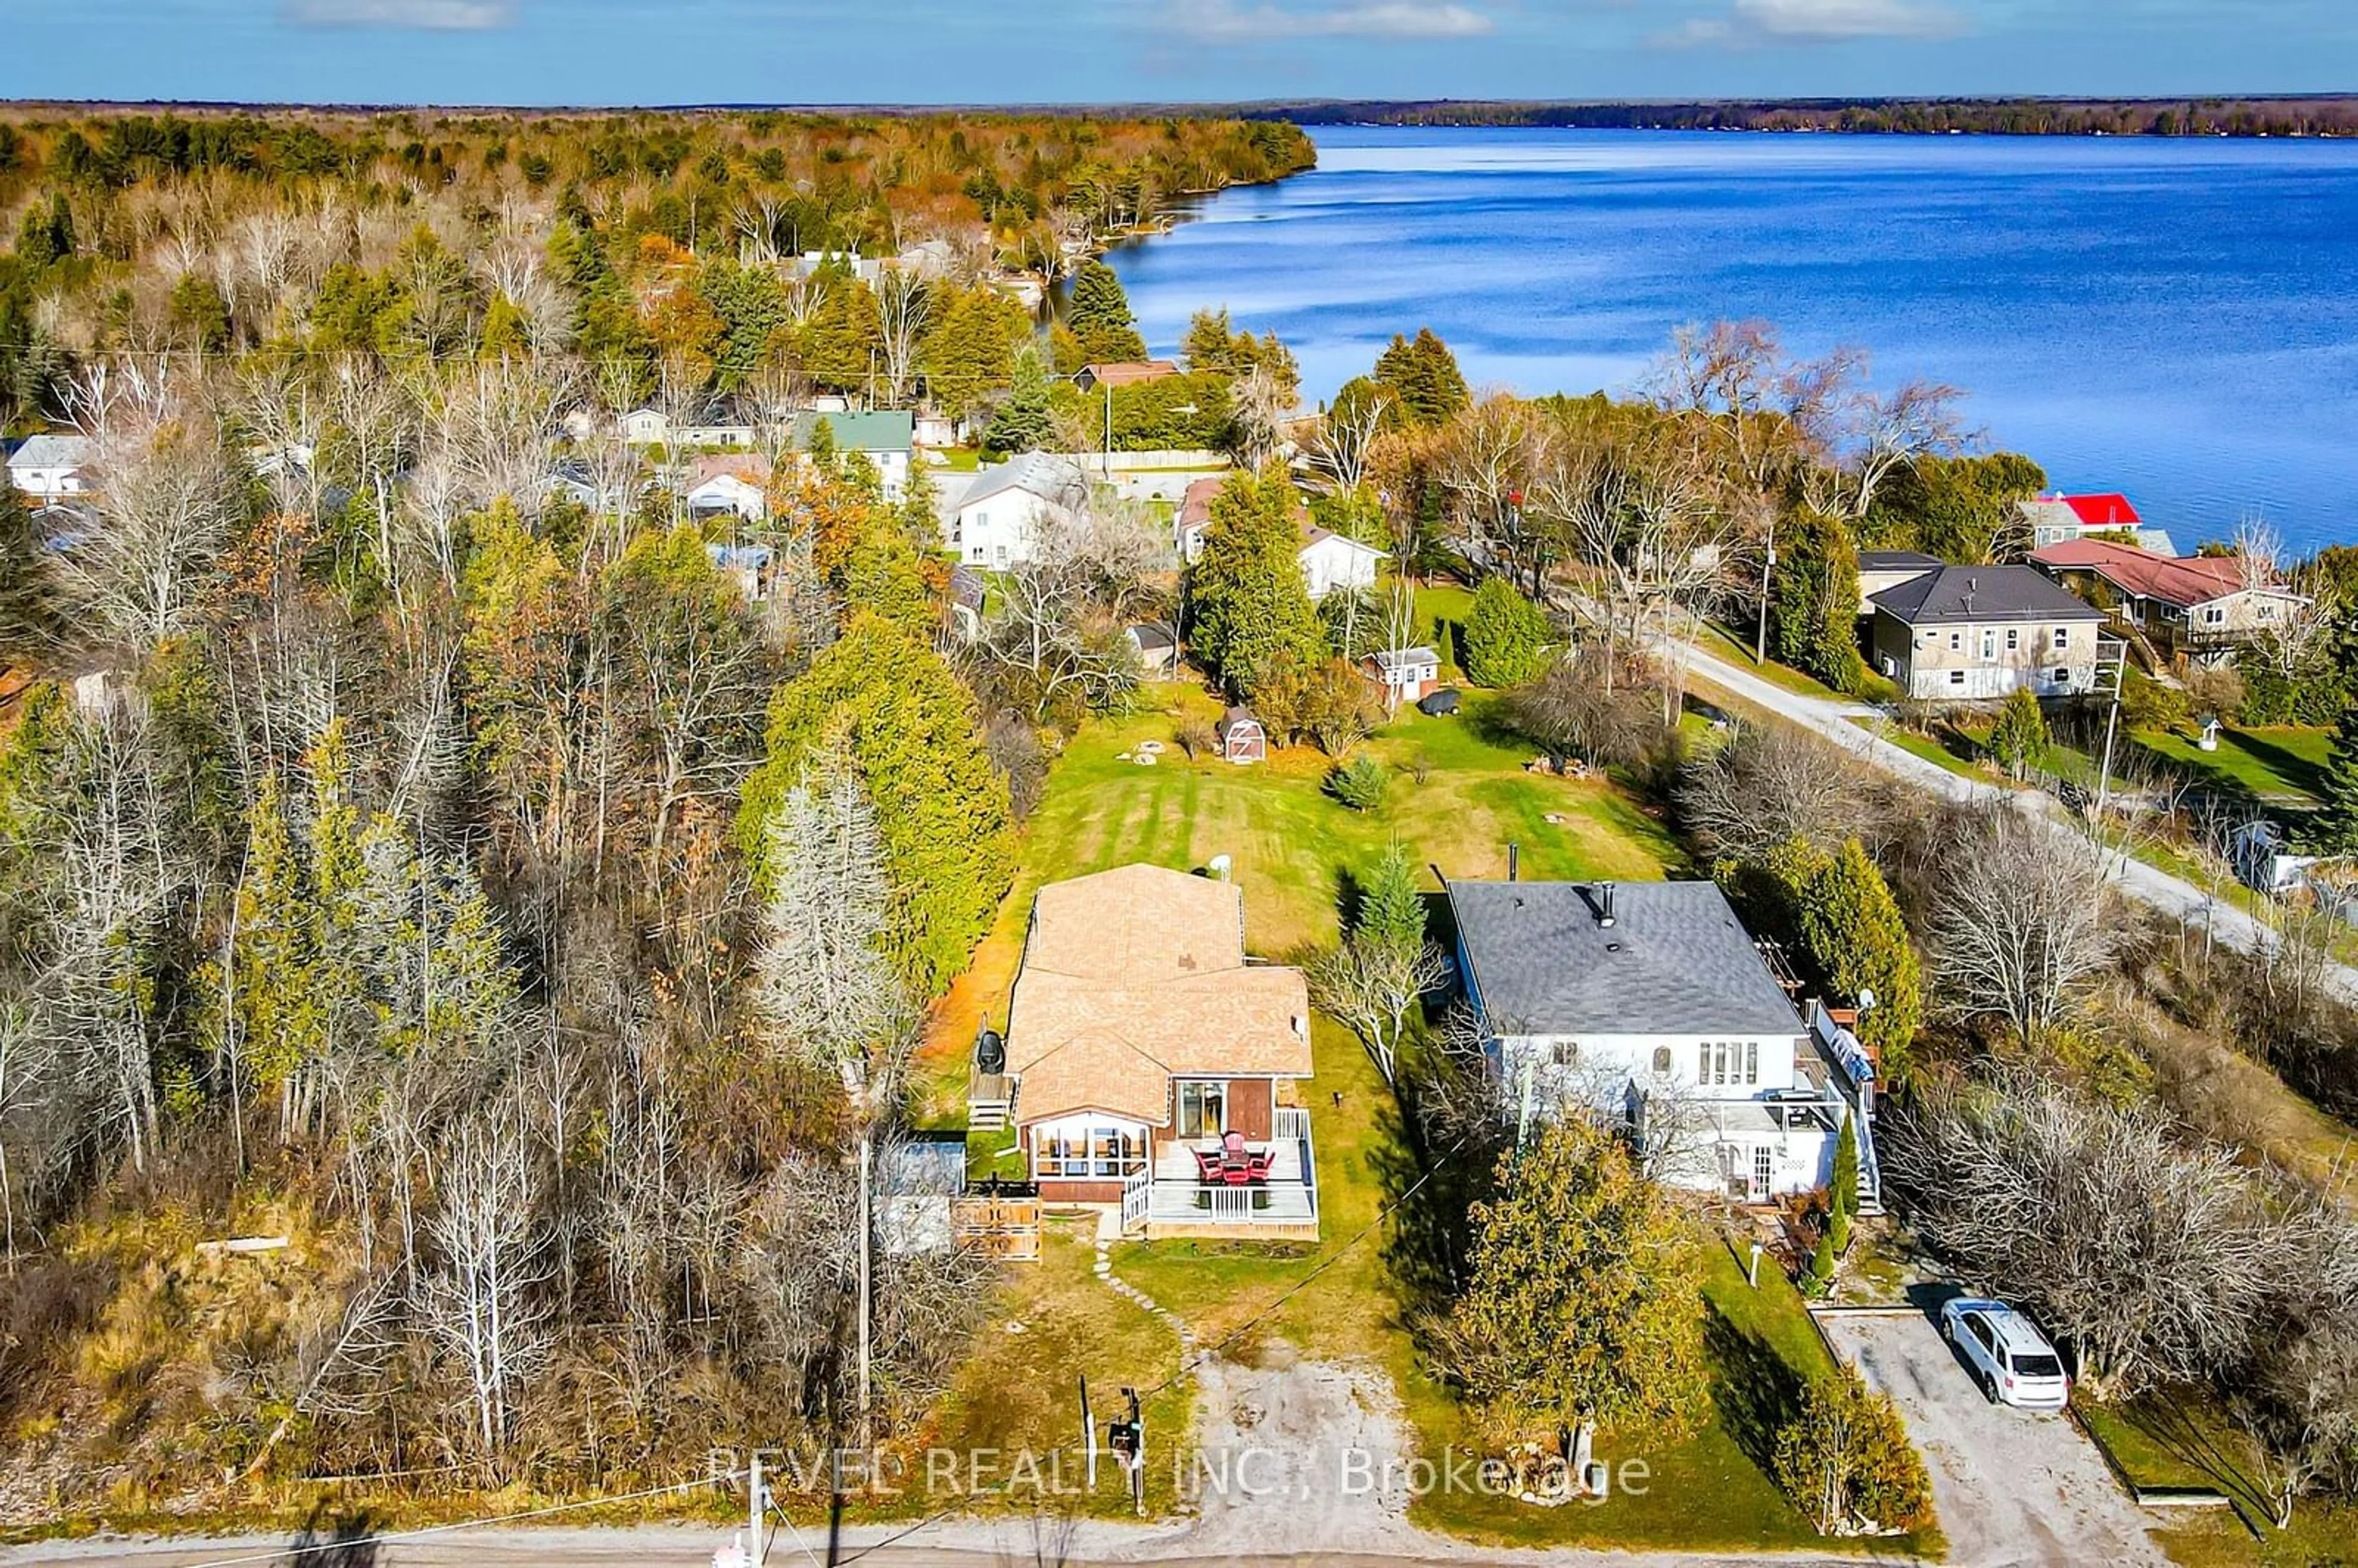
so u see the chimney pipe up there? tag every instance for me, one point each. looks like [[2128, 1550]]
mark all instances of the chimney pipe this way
[[1514, 861], [1605, 904]]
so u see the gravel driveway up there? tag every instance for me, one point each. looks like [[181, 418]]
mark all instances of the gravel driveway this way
[[2012, 1486]]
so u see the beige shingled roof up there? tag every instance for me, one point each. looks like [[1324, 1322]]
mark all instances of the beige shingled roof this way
[[1138, 975]]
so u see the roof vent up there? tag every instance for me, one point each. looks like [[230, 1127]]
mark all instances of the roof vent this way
[[1605, 904], [1514, 864]]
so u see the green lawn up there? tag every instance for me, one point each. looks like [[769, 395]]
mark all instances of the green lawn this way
[[2180, 1439], [2281, 764], [1458, 799], [1052, 1322]]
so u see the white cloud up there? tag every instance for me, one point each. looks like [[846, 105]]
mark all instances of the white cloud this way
[[423, 16], [1225, 21], [1751, 22]]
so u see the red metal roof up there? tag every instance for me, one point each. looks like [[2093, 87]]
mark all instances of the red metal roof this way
[[2103, 511]]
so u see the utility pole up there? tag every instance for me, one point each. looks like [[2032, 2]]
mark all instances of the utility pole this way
[[756, 1507], [1768, 564], [2111, 722], [867, 1269]]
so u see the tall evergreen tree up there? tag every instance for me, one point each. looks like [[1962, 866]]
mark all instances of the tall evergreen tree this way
[[1423, 377], [2334, 830], [1391, 909], [1813, 600], [1026, 418], [911, 734], [1098, 313], [1251, 612], [1504, 635]]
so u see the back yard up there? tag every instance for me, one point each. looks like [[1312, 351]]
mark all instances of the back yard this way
[[1458, 799]]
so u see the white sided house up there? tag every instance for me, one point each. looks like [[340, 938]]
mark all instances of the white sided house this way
[[49, 467], [1647, 1002], [1329, 561], [1008, 510]]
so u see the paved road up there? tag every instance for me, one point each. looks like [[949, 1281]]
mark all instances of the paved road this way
[[2173, 897], [2012, 1488]]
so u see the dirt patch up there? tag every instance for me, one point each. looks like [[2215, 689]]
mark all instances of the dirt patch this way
[[1309, 1454]]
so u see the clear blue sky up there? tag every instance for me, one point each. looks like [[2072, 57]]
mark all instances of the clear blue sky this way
[[975, 51]]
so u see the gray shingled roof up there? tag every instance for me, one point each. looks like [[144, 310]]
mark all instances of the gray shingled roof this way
[[50, 450], [1051, 475], [1981, 594], [1674, 961]]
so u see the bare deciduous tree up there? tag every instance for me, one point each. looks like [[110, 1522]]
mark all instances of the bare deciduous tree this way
[[483, 1297], [2153, 1259], [2019, 927]]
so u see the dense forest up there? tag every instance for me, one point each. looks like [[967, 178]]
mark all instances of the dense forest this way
[[423, 844], [2318, 116]]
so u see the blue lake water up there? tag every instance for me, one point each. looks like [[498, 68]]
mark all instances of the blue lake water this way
[[2175, 320]]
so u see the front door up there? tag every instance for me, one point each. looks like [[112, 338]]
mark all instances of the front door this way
[[1203, 1107], [1762, 1168]]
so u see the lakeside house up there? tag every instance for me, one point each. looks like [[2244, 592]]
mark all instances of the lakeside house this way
[[1975, 634], [1122, 373], [1153, 1068], [2052, 519], [1879, 569], [1650, 1003], [2204, 607]]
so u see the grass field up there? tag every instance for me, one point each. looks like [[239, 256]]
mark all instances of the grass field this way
[[2282, 766], [1458, 799]]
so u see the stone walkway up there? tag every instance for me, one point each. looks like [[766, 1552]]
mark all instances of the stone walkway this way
[[1109, 1232]]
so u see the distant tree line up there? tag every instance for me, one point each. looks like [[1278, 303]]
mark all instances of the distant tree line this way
[[2322, 117]]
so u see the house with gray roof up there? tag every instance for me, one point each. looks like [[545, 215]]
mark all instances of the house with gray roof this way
[[1006, 510], [1975, 634], [50, 467], [1650, 1004]]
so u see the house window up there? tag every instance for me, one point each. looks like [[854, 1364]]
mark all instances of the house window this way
[[2213, 616], [1087, 1149], [1662, 1060], [2062, 636], [1203, 1107], [2267, 611], [1567, 1053], [1752, 1060], [2062, 675], [2012, 638], [1956, 677], [1989, 645], [1957, 642]]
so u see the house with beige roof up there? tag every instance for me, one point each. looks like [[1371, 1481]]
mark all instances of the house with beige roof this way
[[1153, 1068]]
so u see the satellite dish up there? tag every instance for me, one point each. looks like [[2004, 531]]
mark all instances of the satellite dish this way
[[1865, 997]]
